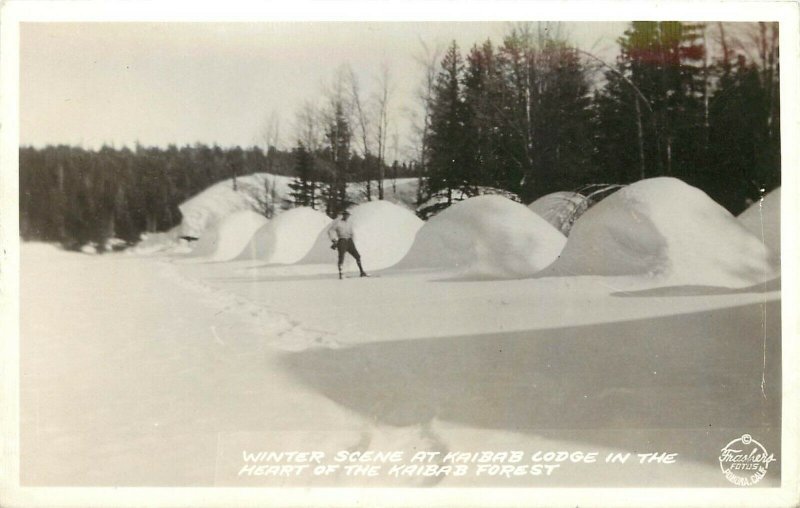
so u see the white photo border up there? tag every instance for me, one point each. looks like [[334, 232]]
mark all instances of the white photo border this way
[[15, 12]]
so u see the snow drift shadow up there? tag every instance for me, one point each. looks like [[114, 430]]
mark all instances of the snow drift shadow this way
[[469, 277], [691, 371], [766, 287], [256, 278]]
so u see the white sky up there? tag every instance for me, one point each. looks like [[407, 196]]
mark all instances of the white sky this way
[[90, 84]]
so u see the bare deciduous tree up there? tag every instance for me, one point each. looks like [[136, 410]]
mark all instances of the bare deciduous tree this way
[[427, 59], [336, 117], [270, 137], [383, 98], [306, 126], [396, 153], [361, 120]]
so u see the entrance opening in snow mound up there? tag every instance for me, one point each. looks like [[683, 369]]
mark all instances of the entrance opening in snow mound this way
[[383, 232], [227, 239], [286, 238], [560, 209], [486, 235], [763, 219], [666, 229]]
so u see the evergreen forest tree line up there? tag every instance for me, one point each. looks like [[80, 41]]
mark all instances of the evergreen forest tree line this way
[[531, 116], [76, 196]]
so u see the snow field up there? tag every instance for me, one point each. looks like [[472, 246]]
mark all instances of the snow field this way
[[226, 239], [383, 233], [763, 219], [284, 333], [286, 238], [560, 209], [486, 235], [186, 365], [223, 361], [664, 229]]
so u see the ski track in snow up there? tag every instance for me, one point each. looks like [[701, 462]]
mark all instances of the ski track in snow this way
[[227, 391], [419, 418], [102, 423], [288, 333]]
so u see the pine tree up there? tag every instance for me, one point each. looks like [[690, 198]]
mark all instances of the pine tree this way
[[739, 141], [562, 120], [483, 91], [663, 59], [303, 187], [338, 136], [517, 61], [619, 155], [544, 104], [651, 115], [448, 165]]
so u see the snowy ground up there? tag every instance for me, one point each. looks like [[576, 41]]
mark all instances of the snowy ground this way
[[152, 371]]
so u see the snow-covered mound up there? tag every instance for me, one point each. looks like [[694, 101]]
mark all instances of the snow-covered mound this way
[[763, 219], [668, 230], [486, 235], [210, 206], [383, 233], [286, 238], [560, 209], [226, 240]]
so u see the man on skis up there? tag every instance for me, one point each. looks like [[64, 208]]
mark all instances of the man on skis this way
[[341, 234]]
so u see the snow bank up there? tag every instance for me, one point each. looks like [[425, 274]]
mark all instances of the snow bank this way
[[668, 230], [210, 206], [115, 244], [560, 209], [286, 238], [228, 238], [763, 219], [486, 235], [89, 248], [151, 243], [383, 233]]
